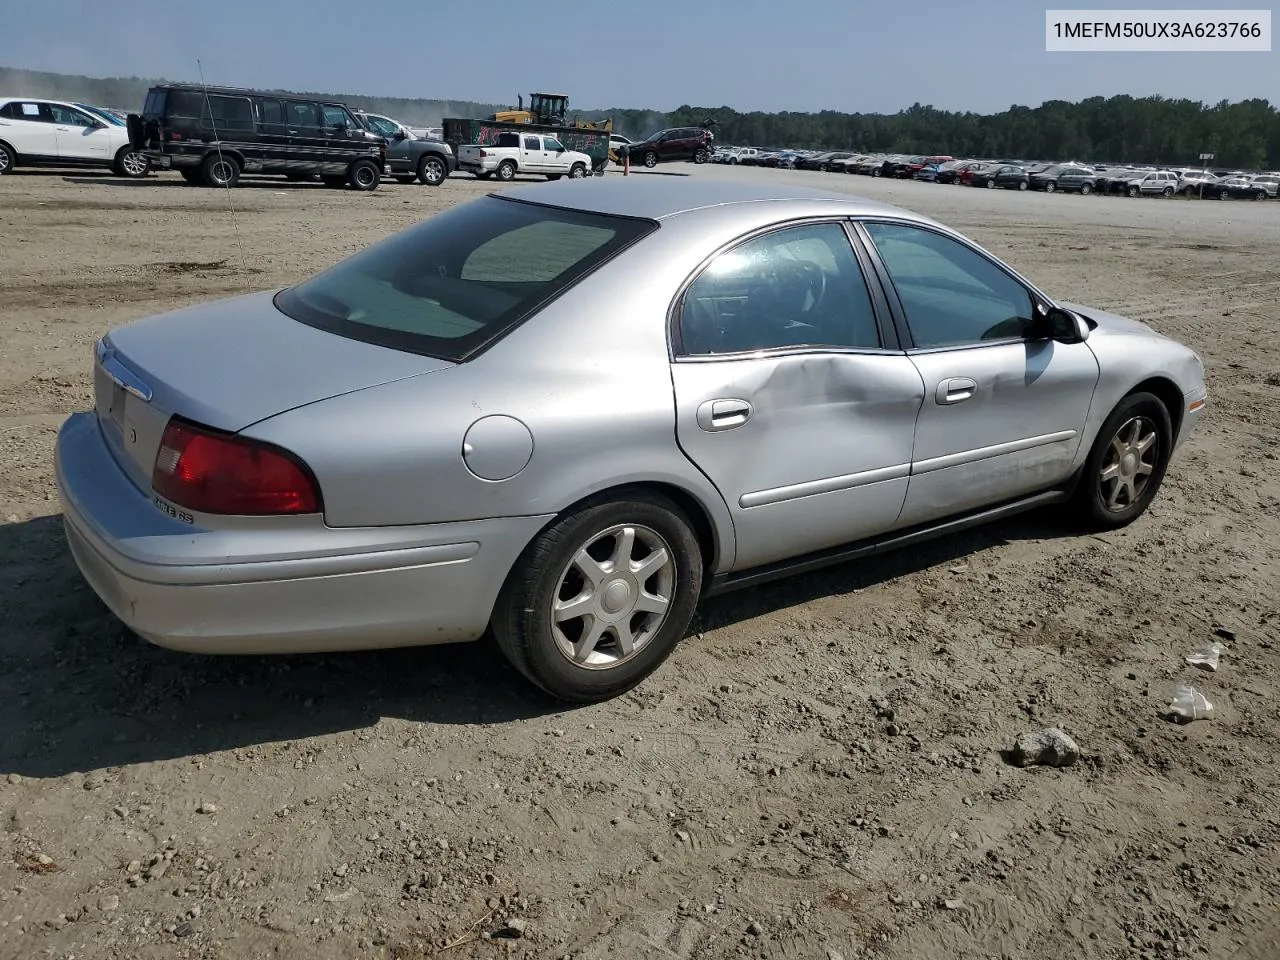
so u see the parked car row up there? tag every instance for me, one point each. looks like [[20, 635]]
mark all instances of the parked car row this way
[[1068, 177], [213, 135]]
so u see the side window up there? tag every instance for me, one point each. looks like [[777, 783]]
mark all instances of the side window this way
[[952, 295], [336, 116], [225, 114], [533, 143], [272, 112], [300, 113], [553, 144], [69, 116], [796, 287]]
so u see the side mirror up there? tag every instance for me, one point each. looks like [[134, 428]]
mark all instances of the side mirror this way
[[400, 135], [1063, 326]]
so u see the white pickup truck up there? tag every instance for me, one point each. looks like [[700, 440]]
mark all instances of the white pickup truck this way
[[513, 153]]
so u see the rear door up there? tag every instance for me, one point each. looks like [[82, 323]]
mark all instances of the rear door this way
[[533, 157], [791, 395], [28, 126]]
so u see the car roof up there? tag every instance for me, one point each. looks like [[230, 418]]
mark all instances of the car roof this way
[[654, 197]]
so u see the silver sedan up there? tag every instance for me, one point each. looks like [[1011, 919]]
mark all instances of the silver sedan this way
[[567, 412]]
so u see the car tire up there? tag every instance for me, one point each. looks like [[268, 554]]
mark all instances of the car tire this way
[[650, 159], [8, 159], [990, 184], [1085, 189], [1112, 491], [1022, 184], [364, 175], [130, 164], [1260, 195], [506, 170], [577, 171], [549, 571], [701, 156], [1223, 195], [1050, 187], [1167, 191], [432, 171], [1133, 191], [219, 170]]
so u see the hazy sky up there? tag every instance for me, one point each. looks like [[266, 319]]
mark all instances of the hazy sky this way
[[848, 55]]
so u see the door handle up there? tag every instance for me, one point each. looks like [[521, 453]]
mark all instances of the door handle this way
[[714, 415], [955, 390]]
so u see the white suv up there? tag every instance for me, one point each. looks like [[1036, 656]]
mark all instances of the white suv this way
[[50, 133], [1159, 182]]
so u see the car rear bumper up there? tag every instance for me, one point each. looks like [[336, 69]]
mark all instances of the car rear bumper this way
[[274, 586]]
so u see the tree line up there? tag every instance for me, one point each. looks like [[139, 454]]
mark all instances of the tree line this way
[[1154, 130]]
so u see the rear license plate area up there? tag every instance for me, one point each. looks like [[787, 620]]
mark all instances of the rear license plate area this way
[[116, 412]]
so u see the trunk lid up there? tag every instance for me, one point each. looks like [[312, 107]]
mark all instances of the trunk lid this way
[[226, 365]]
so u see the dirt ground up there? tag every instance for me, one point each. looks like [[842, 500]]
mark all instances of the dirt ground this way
[[817, 771]]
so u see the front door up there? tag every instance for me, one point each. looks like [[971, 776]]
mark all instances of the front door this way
[[555, 158], [790, 397], [80, 136], [1003, 413]]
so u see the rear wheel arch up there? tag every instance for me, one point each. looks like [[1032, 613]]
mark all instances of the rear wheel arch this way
[[225, 154], [688, 503]]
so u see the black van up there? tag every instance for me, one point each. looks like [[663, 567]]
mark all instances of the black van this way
[[211, 135]]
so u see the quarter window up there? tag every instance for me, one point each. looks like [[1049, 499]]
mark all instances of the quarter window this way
[[796, 287], [952, 295]]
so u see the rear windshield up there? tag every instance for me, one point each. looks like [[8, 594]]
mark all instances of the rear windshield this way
[[459, 280]]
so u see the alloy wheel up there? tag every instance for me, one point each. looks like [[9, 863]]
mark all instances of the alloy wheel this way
[[1129, 464], [613, 596]]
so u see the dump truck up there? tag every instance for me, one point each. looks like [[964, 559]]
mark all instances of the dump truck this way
[[547, 114]]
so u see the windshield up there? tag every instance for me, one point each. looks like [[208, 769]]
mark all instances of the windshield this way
[[459, 280]]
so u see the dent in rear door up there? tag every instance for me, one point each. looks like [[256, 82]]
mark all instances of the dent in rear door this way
[[810, 442]]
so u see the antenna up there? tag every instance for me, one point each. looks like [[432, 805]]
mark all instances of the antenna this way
[[217, 139]]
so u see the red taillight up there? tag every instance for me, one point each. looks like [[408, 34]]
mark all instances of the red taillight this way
[[174, 136], [484, 153], [214, 472]]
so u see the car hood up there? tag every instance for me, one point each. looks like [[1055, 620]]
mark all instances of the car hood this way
[[1110, 322]]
